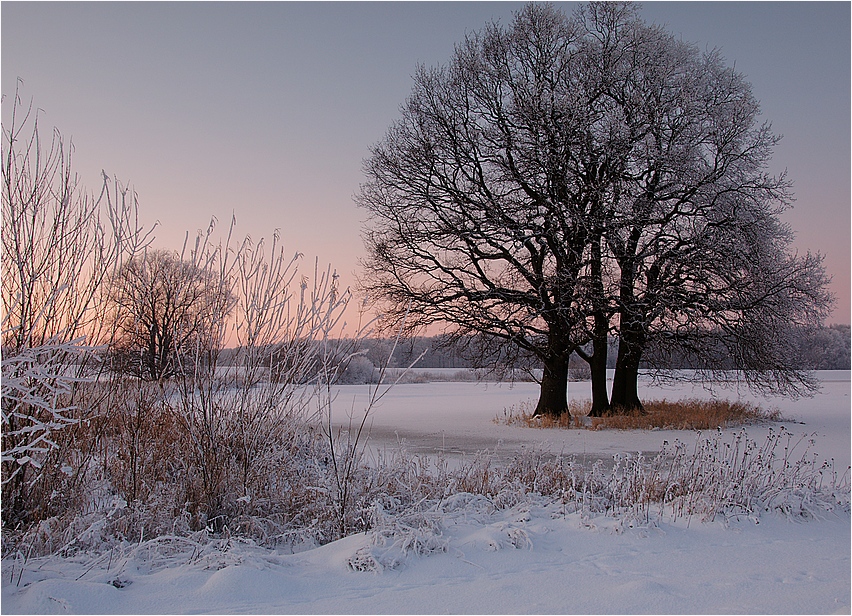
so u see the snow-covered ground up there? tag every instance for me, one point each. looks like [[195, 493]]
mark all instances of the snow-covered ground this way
[[531, 558]]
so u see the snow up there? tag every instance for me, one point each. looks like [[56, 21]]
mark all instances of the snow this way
[[531, 558]]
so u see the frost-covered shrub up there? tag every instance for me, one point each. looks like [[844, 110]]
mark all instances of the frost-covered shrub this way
[[359, 371], [401, 500], [717, 476], [36, 393], [394, 538], [59, 244]]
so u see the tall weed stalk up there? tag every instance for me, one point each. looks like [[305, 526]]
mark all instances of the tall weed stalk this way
[[60, 244]]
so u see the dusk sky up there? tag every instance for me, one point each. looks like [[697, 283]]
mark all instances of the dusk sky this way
[[267, 110]]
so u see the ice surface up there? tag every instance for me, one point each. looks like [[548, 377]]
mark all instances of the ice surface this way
[[457, 418]]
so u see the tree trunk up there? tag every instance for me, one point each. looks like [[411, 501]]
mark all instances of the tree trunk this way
[[600, 397], [597, 362], [553, 399], [631, 334], [597, 365], [625, 384], [625, 390]]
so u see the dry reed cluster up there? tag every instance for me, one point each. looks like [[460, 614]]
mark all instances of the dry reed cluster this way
[[687, 414]]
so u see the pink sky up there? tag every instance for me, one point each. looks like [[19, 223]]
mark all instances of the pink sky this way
[[267, 110]]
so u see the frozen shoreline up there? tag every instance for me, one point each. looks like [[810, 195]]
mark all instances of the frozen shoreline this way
[[458, 418]]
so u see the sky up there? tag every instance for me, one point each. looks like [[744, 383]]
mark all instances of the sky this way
[[267, 110]]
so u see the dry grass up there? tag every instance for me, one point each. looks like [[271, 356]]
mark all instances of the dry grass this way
[[686, 414], [692, 414], [294, 497]]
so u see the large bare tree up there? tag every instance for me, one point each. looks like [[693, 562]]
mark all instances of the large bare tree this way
[[566, 178], [480, 195], [693, 218]]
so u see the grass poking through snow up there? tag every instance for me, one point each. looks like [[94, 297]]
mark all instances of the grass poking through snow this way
[[686, 414]]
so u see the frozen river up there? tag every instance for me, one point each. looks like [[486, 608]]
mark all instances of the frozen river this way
[[458, 418]]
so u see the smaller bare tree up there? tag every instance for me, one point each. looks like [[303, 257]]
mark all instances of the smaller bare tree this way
[[241, 409], [163, 305]]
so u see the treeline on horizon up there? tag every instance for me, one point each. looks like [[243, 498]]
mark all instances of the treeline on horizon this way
[[825, 348]]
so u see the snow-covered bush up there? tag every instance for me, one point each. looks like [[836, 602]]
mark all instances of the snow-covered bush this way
[[247, 447], [718, 476], [36, 387], [59, 245], [359, 371]]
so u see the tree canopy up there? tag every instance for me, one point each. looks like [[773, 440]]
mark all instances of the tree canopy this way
[[568, 177], [163, 306]]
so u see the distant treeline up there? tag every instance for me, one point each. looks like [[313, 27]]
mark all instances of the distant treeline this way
[[826, 348]]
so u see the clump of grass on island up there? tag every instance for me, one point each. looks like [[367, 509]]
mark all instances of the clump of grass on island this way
[[686, 414]]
